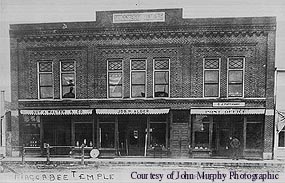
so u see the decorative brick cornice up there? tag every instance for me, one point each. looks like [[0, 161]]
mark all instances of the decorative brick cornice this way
[[141, 33]]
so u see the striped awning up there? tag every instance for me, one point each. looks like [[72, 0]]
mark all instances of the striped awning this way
[[227, 111], [57, 112], [132, 111]]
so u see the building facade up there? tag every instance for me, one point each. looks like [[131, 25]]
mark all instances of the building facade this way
[[279, 141], [140, 82]]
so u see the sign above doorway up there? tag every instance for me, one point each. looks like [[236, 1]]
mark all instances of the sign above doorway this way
[[132, 111]]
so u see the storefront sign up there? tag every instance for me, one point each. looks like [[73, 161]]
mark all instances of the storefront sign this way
[[139, 17], [132, 111], [228, 104], [227, 111], [57, 112]]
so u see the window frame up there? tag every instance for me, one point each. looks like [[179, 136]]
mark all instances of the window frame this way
[[145, 78], [228, 71], [115, 71], [167, 131], [161, 70], [219, 77], [68, 72], [52, 78], [278, 144]]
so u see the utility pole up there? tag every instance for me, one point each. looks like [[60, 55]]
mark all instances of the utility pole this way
[[2, 125]]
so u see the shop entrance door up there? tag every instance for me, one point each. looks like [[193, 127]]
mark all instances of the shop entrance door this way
[[225, 127], [132, 131]]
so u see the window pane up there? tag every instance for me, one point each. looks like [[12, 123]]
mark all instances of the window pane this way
[[115, 91], [68, 79], [83, 133], [211, 76], [115, 65], [45, 66], [138, 91], [161, 64], [138, 64], [67, 66], [235, 90], [211, 63], [254, 136], [45, 80], [115, 78], [46, 92], [201, 132], [281, 141], [235, 76], [68, 92], [107, 135], [157, 135], [158, 118], [161, 90], [161, 77], [138, 77], [211, 90], [236, 63]]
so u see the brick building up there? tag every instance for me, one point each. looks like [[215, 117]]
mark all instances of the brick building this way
[[139, 82]]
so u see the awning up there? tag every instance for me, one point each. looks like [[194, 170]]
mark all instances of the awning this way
[[57, 112], [132, 111], [227, 111]]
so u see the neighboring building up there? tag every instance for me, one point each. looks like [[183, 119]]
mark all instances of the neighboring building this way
[[139, 82], [279, 147]]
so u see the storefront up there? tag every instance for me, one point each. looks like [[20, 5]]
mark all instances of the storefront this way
[[133, 132], [61, 129], [115, 132], [213, 128]]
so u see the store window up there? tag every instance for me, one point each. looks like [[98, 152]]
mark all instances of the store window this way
[[281, 138], [115, 77], [254, 132], [201, 131], [83, 134], [235, 77], [158, 131], [211, 77], [68, 79], [138, 78], [107, 131], [45, 80], [31, 131], [161, 77]]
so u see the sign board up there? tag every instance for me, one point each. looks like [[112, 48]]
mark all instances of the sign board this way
[[227, 111], [57, 112], [228, 104], [139, 17], [132, 111]]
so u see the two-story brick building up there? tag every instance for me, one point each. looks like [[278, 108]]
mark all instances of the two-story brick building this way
[[134, 81]]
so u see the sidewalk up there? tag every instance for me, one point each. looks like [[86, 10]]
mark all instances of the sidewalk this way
[[146, 161]]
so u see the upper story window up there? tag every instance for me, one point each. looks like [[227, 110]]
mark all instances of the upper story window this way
[[115, 76], [161, 77], [45, 82], [211, 77], [235, 77], [138, 78], [68, 75]]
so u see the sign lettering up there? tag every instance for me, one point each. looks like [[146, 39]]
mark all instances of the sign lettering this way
[[139, 17]]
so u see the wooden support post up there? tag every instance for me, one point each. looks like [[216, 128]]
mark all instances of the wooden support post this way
[[82, 154], [23, 154], [48, 154]]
